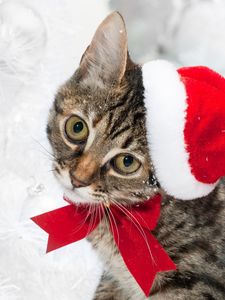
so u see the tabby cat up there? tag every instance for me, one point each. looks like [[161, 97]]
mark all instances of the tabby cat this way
[[98, 134]]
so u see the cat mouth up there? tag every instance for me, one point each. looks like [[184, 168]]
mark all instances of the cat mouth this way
[[81, 195]]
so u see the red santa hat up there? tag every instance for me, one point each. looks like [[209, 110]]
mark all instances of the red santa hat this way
[[186, 127]]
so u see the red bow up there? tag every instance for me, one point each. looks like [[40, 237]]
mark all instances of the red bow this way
[[130, 227]]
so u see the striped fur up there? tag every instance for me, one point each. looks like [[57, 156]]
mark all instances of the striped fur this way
[[191, 232]]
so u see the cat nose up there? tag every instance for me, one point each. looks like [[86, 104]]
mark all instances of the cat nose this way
[[85, 171], [78, 183]]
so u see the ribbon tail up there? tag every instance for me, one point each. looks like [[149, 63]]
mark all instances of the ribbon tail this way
[[66, 225], [54, 244], [141, 252]]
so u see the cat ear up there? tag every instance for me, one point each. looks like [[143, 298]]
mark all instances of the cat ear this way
[[104, 61]]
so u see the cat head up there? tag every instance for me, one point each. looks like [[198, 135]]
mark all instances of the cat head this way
[[97, 124]]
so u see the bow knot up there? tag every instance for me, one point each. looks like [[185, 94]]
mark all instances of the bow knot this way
[[130, 227]]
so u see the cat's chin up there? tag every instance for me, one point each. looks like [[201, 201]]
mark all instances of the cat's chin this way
[[81, 195]]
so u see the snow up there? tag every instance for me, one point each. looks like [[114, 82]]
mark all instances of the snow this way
[[41, 42]]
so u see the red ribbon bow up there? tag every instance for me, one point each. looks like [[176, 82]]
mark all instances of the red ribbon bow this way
[[130, 227]]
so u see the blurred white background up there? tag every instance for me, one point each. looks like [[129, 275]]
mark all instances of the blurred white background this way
[[41, 42]]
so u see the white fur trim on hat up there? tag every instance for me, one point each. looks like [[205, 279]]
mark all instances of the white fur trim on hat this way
[[166, 103]]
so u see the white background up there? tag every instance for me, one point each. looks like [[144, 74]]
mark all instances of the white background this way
[[41, 42]]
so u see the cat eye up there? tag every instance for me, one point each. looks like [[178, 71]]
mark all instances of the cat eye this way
[[125, 164], [76, 129]]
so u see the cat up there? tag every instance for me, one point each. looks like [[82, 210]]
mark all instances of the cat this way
[[97, 130]]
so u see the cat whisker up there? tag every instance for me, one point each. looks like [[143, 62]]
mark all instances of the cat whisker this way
[[99, 214], [92, 213], [116, 226], [82, 224], [48, 153], [117, 230], [51, 154], [109, 214], [136, 223], [93, 219]]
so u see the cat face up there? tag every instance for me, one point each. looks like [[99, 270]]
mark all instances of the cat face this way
[[97, 124]]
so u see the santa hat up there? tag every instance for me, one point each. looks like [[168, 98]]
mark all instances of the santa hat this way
[[186, 127]]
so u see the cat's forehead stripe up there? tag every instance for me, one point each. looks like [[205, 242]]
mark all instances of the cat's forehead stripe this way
[[96, 120], [118, 121], [128, 141], [120, 131]]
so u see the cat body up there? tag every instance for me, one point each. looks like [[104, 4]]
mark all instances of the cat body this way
[[191, 233], [97, 129]]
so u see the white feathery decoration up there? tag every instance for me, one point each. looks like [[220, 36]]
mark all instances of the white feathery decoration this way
[[40, 46], [22, 39]]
